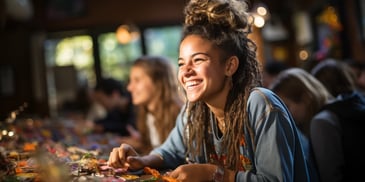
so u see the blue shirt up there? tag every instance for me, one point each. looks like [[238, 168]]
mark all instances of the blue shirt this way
[[278, 153]]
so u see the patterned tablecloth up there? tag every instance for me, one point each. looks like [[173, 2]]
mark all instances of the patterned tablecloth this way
[[58, 150]]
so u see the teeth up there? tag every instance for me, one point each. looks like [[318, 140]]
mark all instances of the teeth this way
[[191, 83]]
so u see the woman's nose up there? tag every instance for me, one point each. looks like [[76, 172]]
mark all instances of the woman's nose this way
[[187, 71]]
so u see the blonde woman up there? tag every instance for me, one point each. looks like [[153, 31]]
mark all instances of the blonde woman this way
[[154, 90]]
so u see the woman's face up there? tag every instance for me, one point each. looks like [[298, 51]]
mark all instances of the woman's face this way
[[140, 86], [201, 72]]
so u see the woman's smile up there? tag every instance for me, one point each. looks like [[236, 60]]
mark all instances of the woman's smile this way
[[193, 84]]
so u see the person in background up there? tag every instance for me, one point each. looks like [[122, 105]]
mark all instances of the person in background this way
[[271, 70], [230, 129], [304, 96], [154, 89], [302, 93], [336, 76], [337, 131], [116, 100], [358, 69]]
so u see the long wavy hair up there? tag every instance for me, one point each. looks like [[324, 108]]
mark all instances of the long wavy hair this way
[[163, 75], [225, 24]]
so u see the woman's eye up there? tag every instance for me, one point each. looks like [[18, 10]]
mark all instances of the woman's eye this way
[[198, 60], [180, 64]]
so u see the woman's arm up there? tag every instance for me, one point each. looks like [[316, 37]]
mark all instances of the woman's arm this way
[[278, 154], [173, 150]]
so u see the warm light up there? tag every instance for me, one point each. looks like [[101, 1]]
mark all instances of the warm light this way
[[4, 132], [250, 19], [259, 15], [329, 16], [11, 133], [123, 34], [262, 11], [126, 34], [303, 55], [13, 115], [259, 21]]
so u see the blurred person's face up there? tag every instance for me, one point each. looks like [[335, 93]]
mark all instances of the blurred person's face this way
[[141, 87], [201, 72]]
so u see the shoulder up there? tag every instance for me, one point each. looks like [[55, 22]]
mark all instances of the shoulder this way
[[325, 117], [263, 103], [181, 118], [262, 98]]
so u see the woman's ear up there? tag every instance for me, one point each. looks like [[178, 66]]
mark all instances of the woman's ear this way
[[231, 65]]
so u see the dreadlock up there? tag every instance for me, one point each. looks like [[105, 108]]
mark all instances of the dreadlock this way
[[225, 24]]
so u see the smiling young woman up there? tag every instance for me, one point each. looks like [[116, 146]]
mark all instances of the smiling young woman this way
[[231, 128]]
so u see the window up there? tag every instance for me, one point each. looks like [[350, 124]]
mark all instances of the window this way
[[76, 51], [163, 41], [70, 68], [70, 60], [116, 58]]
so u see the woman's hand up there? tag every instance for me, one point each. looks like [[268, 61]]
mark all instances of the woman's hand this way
[[125, 157], [193, 172]]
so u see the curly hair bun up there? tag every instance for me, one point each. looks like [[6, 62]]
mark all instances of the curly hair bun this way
[[228, 14]]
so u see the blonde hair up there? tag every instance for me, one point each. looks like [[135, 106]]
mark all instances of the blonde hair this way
[[225, 24], [162, 74]]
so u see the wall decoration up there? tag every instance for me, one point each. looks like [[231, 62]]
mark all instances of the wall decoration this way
[[328, 27]]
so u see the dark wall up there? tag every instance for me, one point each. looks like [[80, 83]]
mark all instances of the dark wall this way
[[355, 40], [98, 13], [14, 48]]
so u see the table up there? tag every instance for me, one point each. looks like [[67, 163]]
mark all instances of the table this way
[[54, 150]]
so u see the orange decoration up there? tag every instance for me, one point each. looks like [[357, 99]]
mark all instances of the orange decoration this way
[[29, 147], [22, 163], [18, 170], [157, 175]]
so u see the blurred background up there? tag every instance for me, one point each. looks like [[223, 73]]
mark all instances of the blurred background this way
[[51, 51]]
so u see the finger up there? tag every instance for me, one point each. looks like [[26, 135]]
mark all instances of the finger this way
[[172, 174], [113, 158], [125, 153], [121, 157], [132, 162], [131, 159], [128, 150]]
